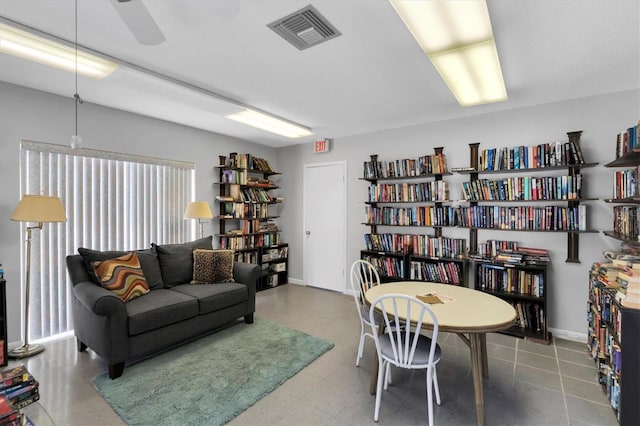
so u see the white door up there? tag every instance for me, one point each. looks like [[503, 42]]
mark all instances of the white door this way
[[325, 225]]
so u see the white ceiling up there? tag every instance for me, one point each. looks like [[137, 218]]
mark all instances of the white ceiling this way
[[373, 77]]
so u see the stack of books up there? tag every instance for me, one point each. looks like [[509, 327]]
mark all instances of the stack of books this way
[[18, 388], [524, 256], [630, 279]]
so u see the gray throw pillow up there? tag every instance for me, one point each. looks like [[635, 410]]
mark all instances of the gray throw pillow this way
[[176, 260], [148, 263]]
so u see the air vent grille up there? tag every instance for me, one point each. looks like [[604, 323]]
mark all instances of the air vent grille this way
[[304, 28]]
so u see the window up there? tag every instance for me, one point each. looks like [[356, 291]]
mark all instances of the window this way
[[113, 202]]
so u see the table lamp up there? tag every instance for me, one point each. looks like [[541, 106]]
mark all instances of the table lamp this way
[[38, 209], [198, 210]]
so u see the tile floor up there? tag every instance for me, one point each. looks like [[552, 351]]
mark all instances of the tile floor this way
[[529, 384]]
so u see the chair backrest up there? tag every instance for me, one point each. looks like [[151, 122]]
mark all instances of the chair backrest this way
[[363, 277], [397, 310]]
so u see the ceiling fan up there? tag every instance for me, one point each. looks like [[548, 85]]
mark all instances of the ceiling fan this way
[[139, 21]]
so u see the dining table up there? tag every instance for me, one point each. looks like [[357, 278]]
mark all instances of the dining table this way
[[468, 313]]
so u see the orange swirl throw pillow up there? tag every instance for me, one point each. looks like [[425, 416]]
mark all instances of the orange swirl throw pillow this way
[[123, 276]]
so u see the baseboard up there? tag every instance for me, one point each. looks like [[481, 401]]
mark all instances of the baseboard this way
[[569, 335], [295, 281]]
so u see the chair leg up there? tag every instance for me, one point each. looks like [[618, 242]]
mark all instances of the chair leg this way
[[360, 349], [381, 369], [430, 395], [435, 384], [387, 376]]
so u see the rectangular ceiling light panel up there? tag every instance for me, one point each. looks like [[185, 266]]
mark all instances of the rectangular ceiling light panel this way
[[270, 124], [457, 37], [29, 46]]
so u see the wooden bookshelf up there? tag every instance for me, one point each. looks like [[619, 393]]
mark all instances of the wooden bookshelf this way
[[246, 217], [615, 348], [525, 287], [626, 196], [412, 193], [564, 212]]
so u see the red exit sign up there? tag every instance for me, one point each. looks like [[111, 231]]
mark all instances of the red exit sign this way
[[321, 146]]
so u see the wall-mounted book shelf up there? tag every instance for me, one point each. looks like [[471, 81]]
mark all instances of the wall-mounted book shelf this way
[[412, 193], [570, 218], [246, 220]]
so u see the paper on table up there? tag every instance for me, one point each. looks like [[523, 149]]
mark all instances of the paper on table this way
[[434, 298]]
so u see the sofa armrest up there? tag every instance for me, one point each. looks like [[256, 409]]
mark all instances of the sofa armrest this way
[[248, 274], [99, 300]]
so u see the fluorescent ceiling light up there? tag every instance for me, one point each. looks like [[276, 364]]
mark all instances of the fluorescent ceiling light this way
[[39, 49], [270, 124], [457, 37]]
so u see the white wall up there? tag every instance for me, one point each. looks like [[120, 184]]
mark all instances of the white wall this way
[[27, 114], [600, 118]]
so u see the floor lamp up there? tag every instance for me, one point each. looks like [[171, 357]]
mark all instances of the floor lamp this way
[[198, 210], [39, 209]]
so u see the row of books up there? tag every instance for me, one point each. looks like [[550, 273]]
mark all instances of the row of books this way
[[602, 347], [419, 245], [529, 316], [262, 183], [411, 216], [524, 188], [441, 272], [386, 266], [626, 221], [523, 256], [547, 218], [275, 254], [241, 242], [248, 161], [490, 248], [409, 192], [625, 184], [234, 210], [510, 280], [246, 256], [531, 157], [627, 140], [18, 388], [425, 165]]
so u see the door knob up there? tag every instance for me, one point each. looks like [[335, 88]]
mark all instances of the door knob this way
[[308, 232]]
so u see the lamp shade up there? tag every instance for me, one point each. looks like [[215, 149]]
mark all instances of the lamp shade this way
[[39, 208], [198, 210]]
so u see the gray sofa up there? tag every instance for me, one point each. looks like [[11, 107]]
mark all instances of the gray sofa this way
[[173, 311]]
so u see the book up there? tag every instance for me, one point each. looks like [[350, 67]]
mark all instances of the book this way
[[22, 393], [7, 412], [14, 375]]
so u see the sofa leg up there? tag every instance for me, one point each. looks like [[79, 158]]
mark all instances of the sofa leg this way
[[116, 370], [248, 319], [81, 346]]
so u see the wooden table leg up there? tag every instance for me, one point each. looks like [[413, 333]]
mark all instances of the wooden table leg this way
[[476, 371]]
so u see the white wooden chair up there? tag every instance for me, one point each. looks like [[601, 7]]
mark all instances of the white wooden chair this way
[[404, 347], [363, 277]]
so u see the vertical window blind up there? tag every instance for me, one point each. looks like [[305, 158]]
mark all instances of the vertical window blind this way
[[113, 202]]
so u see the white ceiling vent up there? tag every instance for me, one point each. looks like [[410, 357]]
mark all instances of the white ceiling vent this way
[[304, 28]]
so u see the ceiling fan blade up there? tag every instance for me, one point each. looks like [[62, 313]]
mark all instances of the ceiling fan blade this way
[[139, 21]]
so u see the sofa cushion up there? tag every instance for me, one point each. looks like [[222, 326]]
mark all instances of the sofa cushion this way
[[176, 260], [148, 261], [122, 275], [212, 266], [159, 308], [212, 298]]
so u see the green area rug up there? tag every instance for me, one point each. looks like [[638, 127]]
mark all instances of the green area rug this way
[[212, 380]]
